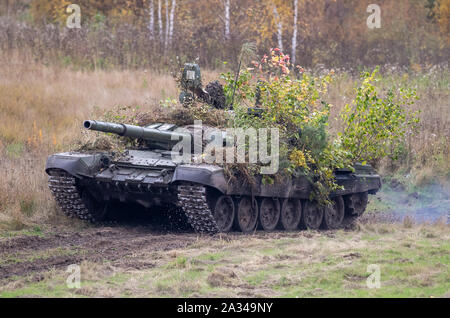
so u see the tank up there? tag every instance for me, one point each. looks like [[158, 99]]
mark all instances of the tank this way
[[86, 185]]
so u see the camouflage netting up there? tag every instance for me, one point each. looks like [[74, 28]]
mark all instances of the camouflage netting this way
[[178, 115]]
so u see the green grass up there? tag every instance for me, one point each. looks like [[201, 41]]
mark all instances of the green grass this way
[[39, 289], [21, 257], [213, 256], [33, 231]]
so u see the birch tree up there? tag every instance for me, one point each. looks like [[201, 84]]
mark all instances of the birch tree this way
[[279, 25], [172, 21], [166, 37], [151, 25], [160, 22], [227, 19], [294, 33]]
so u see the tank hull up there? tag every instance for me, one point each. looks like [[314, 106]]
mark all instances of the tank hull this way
[[211, 202]]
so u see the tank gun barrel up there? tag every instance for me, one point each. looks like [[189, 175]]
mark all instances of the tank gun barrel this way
[[149, 134]]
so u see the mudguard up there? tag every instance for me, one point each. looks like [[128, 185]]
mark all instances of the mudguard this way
[[76, 164], [205, 174]]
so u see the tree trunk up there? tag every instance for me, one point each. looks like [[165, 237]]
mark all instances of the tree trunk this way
[[227, 19], [279, 28], [151, 25], [160, 22], [294, 34], [166, 38], [172, 15]]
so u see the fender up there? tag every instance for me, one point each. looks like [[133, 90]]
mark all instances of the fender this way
[[209, 175], [76, 164]]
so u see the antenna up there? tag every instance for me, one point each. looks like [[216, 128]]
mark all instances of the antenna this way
[[248, 50], [235, 83]]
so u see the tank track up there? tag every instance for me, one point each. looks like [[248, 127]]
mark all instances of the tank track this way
[[67, 196], [192, 200]]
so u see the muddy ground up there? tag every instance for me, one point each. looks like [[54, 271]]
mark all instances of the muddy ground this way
[[178, 262], [31, 257], [114, 244], [125, 261]]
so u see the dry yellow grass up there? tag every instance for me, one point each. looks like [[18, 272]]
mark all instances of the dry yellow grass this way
[[52, 101], [43, 106]]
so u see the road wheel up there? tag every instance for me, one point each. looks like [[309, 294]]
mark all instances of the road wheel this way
[[269, 213], [224, 213], [334, 214], [247, 214], [312, 215], [291, 213]]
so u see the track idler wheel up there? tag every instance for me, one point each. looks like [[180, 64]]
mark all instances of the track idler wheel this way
[[224, 213], [312, 215], [291, 213], [334, 214], [269, 213], [247, 214]]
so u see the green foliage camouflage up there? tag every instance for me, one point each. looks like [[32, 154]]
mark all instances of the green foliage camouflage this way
[[293, 101]]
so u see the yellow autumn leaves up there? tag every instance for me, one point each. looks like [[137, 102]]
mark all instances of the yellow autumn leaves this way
[[297, 157]]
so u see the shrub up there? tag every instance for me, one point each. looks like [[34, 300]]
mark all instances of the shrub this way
[[292, 102], [291, 99], [375, 125]]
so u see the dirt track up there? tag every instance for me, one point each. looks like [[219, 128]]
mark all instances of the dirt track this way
[[117, 244], [122, 246]]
